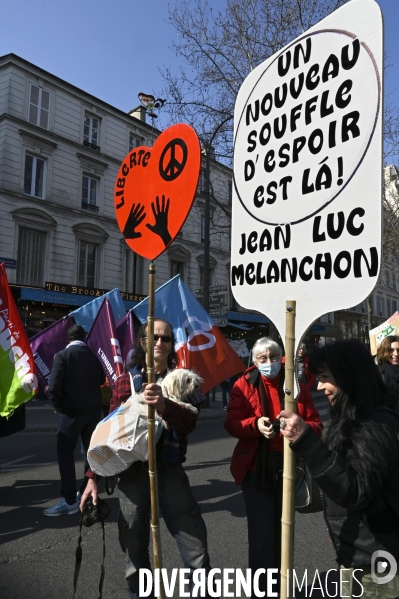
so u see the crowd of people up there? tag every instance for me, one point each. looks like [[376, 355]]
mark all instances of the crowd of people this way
[[354, 460]]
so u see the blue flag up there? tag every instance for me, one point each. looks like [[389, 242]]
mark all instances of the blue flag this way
[[86, 314], [199, 342]]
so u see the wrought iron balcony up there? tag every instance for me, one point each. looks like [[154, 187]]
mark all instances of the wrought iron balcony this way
[[89, 144], [90, 207]]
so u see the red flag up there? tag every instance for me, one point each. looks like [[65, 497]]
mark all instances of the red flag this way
[[18, 380], [103, 341], [200, 344]]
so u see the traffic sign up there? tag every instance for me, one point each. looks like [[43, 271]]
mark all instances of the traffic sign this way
[[220, 322], [217, 300], [155, 188], [213, 289]]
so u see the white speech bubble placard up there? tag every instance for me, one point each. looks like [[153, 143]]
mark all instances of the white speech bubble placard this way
[[306, 220]]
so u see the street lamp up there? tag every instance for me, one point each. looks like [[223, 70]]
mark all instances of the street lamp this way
[[208, 146]]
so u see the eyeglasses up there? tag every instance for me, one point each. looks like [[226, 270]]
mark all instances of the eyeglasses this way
[[163, 338]]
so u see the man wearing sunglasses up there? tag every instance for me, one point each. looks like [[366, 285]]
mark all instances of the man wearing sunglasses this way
[[180, 510]]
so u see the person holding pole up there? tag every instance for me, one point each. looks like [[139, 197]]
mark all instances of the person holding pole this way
[[255, 401], [180, 510], [305, 376], [356, 465]]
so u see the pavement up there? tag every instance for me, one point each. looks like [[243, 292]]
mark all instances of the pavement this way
[[40, 416]]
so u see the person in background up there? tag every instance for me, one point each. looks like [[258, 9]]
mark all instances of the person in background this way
[[225, 390], [305, 376], [387, 360], [356, 465], [180, 510], [75, 391], [255, 401]]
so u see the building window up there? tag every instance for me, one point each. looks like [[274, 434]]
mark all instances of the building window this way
[[87, 267], [394, 308], [230, 190], [201, 276], [89, 193], [176, 268], [31, 257], [388, 307], [134, 141], [39, 106], [34, 176], [380, 306], [91, 132]]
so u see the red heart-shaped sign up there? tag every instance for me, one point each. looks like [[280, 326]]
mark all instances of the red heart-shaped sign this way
[[155, 188]]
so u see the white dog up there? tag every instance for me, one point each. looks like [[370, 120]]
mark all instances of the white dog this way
[[179, 384]]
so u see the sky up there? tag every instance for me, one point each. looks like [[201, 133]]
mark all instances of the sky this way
[[113, 49]]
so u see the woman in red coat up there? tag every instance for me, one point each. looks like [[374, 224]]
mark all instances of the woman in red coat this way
[[255, 401]]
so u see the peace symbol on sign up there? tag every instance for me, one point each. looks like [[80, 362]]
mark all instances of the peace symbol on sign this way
[[170, 167]]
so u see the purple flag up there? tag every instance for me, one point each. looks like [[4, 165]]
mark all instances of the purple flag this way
[[46, 344], [125, 332], [103, 341]]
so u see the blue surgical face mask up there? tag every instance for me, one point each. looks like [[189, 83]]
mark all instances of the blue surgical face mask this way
[[270, 371]]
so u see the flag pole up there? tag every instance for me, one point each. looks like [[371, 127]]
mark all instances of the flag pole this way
[[288, 509], [152, 463]]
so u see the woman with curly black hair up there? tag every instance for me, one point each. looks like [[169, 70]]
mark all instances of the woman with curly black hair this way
[[356, 464]]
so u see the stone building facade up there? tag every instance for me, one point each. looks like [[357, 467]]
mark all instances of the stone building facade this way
[[60, 151]]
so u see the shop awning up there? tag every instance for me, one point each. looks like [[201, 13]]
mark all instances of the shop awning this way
[[69, 299], [247, 317], [238, 326]]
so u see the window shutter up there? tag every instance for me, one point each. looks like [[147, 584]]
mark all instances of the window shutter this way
[[31, 250], [44, 109], [33, 104]]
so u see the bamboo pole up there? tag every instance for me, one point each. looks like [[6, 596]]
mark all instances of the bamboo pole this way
[[152, 462], [288, 510]]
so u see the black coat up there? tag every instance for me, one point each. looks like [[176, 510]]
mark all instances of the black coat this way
[[359, 488], [75, 381], [390, 376]]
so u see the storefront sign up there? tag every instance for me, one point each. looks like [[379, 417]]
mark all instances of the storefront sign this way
[[90, 291]]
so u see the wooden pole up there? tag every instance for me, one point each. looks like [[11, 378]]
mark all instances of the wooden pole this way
[[288, 510], [152, 462]]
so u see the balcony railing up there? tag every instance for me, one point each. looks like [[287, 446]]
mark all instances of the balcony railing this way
[[89, 144], [90, 207]]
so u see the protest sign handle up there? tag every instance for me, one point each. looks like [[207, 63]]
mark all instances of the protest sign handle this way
[[288, 509], [152, 463]]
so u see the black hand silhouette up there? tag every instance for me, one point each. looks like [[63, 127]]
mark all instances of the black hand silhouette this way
[[136, 216], [161, 220]]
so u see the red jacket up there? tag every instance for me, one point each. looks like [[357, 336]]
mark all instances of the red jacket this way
[[243, 411]]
